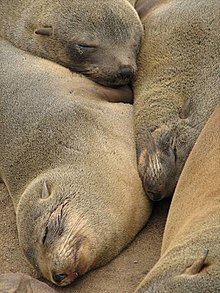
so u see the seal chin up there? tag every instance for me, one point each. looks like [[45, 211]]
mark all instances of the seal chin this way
[[112, 83]]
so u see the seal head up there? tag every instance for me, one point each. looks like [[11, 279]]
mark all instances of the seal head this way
[[99, 39], [60, 246], [157, 163]]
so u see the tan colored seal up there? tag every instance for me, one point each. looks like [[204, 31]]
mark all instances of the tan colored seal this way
[[99, 39], [190, 259], [67, 157], [177, 86]]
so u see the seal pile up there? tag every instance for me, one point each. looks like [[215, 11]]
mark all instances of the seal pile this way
[[66, 150], [82, 164]]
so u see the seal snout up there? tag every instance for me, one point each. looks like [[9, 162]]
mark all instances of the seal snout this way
[[157, 164], [63, 279], [155, 196], [58, 278], [115, 76], [126, 73]]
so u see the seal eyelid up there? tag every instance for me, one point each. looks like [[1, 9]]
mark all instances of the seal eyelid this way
[[55, 225], [86, 47]]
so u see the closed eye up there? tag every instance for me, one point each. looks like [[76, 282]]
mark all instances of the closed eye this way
[[55, 225], [85, 47]]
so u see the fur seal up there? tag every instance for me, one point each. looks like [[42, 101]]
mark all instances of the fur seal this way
[[176, 88], [190, 260], [99, 39], [65, 153]]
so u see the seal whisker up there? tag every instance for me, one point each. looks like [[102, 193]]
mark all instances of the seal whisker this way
[[71, 238]]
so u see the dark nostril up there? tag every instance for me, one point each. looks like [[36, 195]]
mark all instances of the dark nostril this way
[[59, 277], [126, 72]]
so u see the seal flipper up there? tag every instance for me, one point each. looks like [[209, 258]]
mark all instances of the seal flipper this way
[[198, 265]]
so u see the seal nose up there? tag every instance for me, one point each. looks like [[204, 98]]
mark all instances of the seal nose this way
[[58, 277], [154, 196], [126, 72]]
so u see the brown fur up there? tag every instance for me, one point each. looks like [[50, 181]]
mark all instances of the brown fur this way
[[190, 260], [99, 39], [177, 86], [67, 157]]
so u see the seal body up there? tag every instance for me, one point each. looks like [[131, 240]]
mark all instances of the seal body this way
[[190, 259], [99, 39], [64, 156], [177, 86]]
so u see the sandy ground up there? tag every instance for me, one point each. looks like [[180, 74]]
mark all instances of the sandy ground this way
[[122, 275]]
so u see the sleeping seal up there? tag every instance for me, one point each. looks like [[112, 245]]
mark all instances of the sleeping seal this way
[[67, 157], [99, 39], [177, 86], [190, 260]]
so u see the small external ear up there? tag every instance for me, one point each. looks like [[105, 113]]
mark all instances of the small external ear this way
[[45, 191], [198, 265], [44, 31]]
